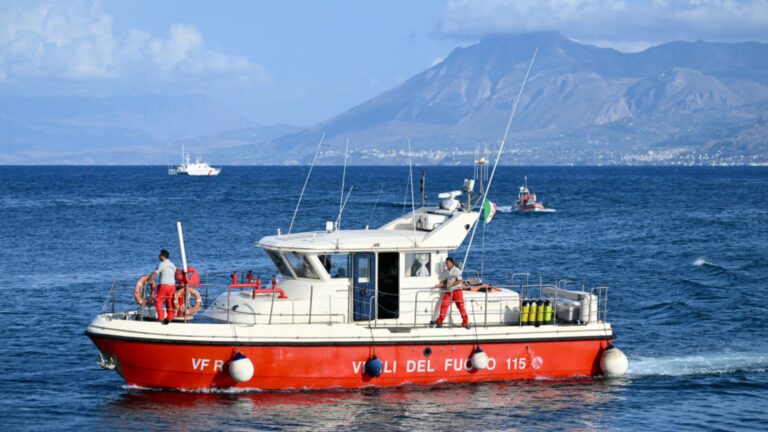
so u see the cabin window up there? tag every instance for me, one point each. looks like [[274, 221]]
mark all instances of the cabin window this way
[[301, 265], [418, 264], [363, 270], [280, 263], [336, 265]]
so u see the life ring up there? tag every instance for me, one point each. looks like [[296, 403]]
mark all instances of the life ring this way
[[180, 308], [139, 285]]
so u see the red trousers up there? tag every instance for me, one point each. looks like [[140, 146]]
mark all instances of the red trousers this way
[[458, 298], [164, 295]]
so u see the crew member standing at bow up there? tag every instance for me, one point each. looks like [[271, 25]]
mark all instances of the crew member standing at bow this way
[[166, 289], [450, 280]]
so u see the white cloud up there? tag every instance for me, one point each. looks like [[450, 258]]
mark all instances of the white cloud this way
[[627, 24], [75, 40], [182, 40]]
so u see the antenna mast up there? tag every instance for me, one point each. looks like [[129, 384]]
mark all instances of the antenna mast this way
[[343, 178], [317, 152], [410, 176], [501, 150], [423, 189]]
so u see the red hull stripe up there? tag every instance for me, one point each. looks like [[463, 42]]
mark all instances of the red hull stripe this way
[[201, 366]]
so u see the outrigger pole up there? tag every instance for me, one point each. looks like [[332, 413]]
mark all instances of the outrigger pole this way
[[498, 155]]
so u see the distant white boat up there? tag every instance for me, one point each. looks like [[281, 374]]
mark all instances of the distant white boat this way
[[197, 168]]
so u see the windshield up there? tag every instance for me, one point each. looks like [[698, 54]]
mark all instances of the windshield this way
[[301, 265], [280, 264]]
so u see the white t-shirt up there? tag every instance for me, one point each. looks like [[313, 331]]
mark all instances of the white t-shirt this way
[[450, 277], [167, 272]]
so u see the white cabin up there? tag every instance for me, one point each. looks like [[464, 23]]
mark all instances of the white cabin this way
[[386, 275]]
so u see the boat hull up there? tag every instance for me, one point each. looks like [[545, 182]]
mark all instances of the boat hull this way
[[203, 173], [201, 366], [533, 208]]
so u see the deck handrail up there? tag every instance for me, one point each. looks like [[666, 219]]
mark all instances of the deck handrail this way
[[597, 303]]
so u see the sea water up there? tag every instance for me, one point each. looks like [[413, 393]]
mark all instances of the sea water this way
[[684, 252]]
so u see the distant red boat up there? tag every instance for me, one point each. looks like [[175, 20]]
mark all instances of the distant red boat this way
[[528, 203]]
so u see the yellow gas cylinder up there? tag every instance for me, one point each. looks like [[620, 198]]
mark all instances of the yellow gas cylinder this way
[[532, 313], [540, 313], [547, 312], [524, 313]]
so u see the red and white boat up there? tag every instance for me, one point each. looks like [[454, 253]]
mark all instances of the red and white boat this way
[[527, 202], [353, 308]]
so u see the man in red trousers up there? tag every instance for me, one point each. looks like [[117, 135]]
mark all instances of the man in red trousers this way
[[450, 280], [166, 289]]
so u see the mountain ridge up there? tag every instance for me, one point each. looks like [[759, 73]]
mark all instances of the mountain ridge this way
[[575, 91], [694, 102]]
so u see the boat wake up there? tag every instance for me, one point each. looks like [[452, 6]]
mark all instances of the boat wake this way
[[700, 262], [732, 270], [703, 263], [511, 209], [700, 364]]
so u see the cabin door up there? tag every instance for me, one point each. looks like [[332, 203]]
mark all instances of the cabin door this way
[[364, 286]]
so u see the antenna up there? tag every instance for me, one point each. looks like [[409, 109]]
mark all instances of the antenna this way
[[343, 178], [317, 152], [410, 176], [374, 206], [423, 189], [338, 219], [501, 149], [405, 197]]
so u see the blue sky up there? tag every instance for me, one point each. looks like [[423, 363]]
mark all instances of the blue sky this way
[[301, 62]]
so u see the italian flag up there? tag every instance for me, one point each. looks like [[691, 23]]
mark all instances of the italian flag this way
[[489, 210]]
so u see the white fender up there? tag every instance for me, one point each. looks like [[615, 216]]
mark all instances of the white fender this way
[[613, 362], [241, 368], [479, 359]]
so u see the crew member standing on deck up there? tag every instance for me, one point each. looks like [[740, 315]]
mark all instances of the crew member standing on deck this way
[[166, 289], [450, 280]]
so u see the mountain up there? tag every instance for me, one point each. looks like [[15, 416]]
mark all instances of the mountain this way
[[675, 103], [582, 104]]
